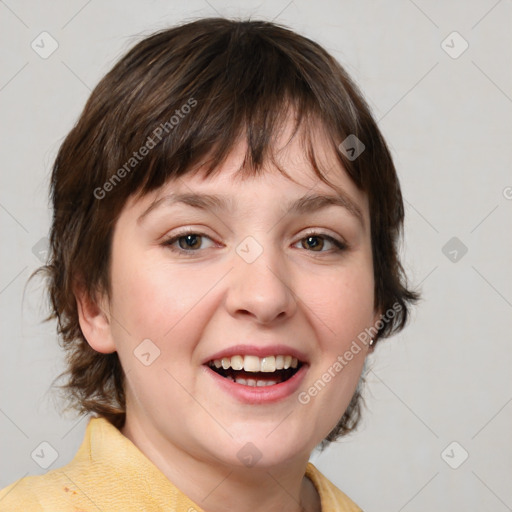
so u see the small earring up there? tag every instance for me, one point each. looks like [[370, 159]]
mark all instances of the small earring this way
[[372, 341]]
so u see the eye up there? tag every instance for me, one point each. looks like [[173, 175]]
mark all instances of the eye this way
[[321, 243], [188, 242]]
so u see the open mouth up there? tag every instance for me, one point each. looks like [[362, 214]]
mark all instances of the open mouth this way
[[256, 371]]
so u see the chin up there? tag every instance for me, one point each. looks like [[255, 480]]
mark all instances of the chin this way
[[265, 446]]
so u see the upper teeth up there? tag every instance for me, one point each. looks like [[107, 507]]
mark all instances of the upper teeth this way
[[256, 364]]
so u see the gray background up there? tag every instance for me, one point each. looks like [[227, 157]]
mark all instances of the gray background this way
[[448, 120]]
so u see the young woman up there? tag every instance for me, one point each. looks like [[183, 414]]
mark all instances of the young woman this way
[[223, 259]]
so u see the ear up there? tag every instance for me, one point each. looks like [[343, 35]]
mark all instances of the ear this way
[[376, 317], [94, 319]]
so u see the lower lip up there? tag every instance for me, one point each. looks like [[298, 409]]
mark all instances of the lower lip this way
[[260, 394]]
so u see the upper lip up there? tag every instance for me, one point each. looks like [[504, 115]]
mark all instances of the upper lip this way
[[257, 350]]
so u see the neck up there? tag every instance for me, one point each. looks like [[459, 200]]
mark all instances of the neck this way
[[217, 487]]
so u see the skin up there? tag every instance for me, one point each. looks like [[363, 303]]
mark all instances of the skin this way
[[193, 304]]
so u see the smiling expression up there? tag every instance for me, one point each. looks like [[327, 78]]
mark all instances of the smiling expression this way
[[248, 290]]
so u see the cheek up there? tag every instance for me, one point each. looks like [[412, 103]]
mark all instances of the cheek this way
[[340, 310], [140, 295], [156, 300], [343, 304]]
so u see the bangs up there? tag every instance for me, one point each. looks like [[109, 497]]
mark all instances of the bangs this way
[[193, 103], [263, 136]]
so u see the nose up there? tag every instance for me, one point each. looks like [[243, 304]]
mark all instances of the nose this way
[[260, 289]]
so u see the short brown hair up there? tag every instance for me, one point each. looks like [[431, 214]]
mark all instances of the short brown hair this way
[[239, 79]]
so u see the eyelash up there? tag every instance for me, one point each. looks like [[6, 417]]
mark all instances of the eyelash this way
[[339, 246], [175, 238]]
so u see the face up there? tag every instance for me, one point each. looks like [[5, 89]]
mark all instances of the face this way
[[233, 297]]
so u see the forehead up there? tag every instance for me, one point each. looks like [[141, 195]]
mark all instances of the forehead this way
[[289, 170], [269, 197]]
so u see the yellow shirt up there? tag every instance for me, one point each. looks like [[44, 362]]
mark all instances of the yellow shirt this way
[[109, 473]]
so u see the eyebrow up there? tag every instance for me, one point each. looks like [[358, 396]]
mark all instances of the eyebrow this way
[[199, 201], [306, 204], [314, 202]]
